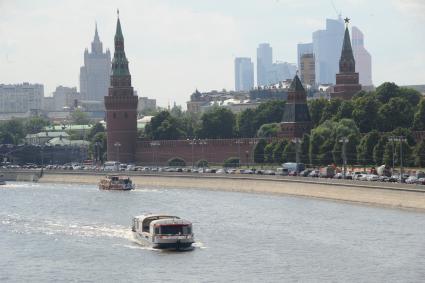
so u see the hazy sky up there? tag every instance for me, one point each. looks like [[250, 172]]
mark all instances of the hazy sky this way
[[175, 46]]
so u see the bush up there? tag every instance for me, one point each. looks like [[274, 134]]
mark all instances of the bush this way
[[231, 162], [202, 163], [176, 162]]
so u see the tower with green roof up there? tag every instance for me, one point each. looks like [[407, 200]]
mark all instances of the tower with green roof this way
[[121, 106]]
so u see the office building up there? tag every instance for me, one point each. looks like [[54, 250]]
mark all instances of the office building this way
[[362, 57], [244, 74], [264, 63]]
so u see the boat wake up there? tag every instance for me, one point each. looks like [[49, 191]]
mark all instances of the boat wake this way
[[19, 185], [21, 225]]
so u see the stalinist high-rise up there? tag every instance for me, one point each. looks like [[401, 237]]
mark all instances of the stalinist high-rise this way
[[94, 75]]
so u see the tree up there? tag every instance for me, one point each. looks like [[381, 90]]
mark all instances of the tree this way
[[163, 126], [246, 126], [331, 109], [345, 110], [79, 117], [316, 108], [365, 113], [386, 91], [176, 162], [411, 95], [289, 153], [12, 131], [269, 112], [378, 150], [396, 113], [259, 151], [35, 125], [268, 130], [268, 152], [278, 150], [231, 162], [365, 148], [98, 146], [419, 154], [305, 144], [218, 123], [419, 119], [97, 128]]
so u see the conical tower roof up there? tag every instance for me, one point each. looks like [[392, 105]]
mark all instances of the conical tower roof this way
[[296, 84], [120, 62], [347, 50]]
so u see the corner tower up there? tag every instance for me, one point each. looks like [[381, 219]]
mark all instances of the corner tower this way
[[347, 80], [121, 106], [296, 117]]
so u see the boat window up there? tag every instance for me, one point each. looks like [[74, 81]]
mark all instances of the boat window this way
[[175, 230]]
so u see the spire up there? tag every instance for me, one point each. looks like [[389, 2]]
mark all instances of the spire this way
[[347, 63], [120, 62], [296, 84], [96, 45]]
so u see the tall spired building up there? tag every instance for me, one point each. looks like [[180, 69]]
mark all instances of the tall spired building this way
[[94, 75], [347, 80], [121, 107]]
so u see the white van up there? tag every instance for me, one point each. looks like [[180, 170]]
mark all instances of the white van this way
[[111, 166]]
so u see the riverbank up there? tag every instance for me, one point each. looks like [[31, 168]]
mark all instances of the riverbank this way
[[379, 196]]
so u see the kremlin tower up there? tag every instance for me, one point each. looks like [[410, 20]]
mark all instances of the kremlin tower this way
[[347, 80], [121, 107]]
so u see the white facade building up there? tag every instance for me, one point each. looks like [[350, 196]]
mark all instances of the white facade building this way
[[244, 74], [21, 98]]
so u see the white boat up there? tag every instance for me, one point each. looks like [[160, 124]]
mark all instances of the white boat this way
[[116, 182], [163, 231]]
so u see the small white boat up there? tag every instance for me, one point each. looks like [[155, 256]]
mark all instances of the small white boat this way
[[163, 231], [116, 182]]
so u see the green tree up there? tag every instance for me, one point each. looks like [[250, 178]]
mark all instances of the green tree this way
[[246, 126], [98, 146], [365, 148], [331, 109], [396, 113], [268, 152], [278, 150], [97, 128], [268, 130], [164, 127], [217, 123], [419, 119], [12, 131], [378, 150], [79, 117], [35, 125], [259, 151], [269, 112], [419, 154], [365, 113], [411, 95], [289, 153], [345, 110], [386, 91], [316, 108], [305, 144]]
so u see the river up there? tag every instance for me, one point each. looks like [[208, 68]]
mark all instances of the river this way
[[69, 233]]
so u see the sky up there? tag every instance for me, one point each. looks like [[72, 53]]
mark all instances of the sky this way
[[177, 46]]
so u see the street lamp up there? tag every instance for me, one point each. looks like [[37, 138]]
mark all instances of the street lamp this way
[[202, 143], [400, 139], [344, 141], [192, 143], [239, 142], [117, 147], [154, 144]]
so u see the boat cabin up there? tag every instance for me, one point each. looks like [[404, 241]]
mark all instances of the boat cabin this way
[[162, 225]]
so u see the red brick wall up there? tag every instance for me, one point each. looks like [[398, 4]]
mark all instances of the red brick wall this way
[[212, 150]]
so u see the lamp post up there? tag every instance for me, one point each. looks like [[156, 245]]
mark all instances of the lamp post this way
[[400, 139], [202, 143], [393, 139], [344, 141], [97, 151], [117, 147], [192, 142], [297, 142]]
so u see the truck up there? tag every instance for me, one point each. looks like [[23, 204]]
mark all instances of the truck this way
[[293, 167], [327, 172]]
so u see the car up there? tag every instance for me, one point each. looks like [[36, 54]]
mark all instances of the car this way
[[269, 172], [411, 180], [338, 176], [372, 177], [305, 172], [314, 174]]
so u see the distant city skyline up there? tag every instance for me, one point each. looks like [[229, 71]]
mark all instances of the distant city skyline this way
[[194, 43]]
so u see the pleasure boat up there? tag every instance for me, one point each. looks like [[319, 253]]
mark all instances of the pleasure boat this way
[[163, 231], [116, 182]]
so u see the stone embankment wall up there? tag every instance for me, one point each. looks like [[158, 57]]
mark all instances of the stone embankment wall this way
[[30, 175]]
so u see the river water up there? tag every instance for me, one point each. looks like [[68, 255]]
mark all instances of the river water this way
[[69, 233]]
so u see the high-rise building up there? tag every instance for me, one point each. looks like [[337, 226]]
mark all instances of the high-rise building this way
[[362, 57], [94, 75], [21, 98], [326, 48], [281, 71], [303, 48], [146, 104], [244, 74], [264, 63], [121, 107], [347, 80], [307, 69], [65, 97]]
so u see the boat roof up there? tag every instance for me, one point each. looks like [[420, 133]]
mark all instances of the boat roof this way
[[158, 216], [168, 221]]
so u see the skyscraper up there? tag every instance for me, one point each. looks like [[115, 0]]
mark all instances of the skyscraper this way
[[303, 48], [94, 75], [264, 63], [362, 57], [326, 49], [307, 69], [347, 80], [121, 107], [244, 74]]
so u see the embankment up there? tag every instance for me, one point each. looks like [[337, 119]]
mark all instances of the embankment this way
[[395, 196]]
